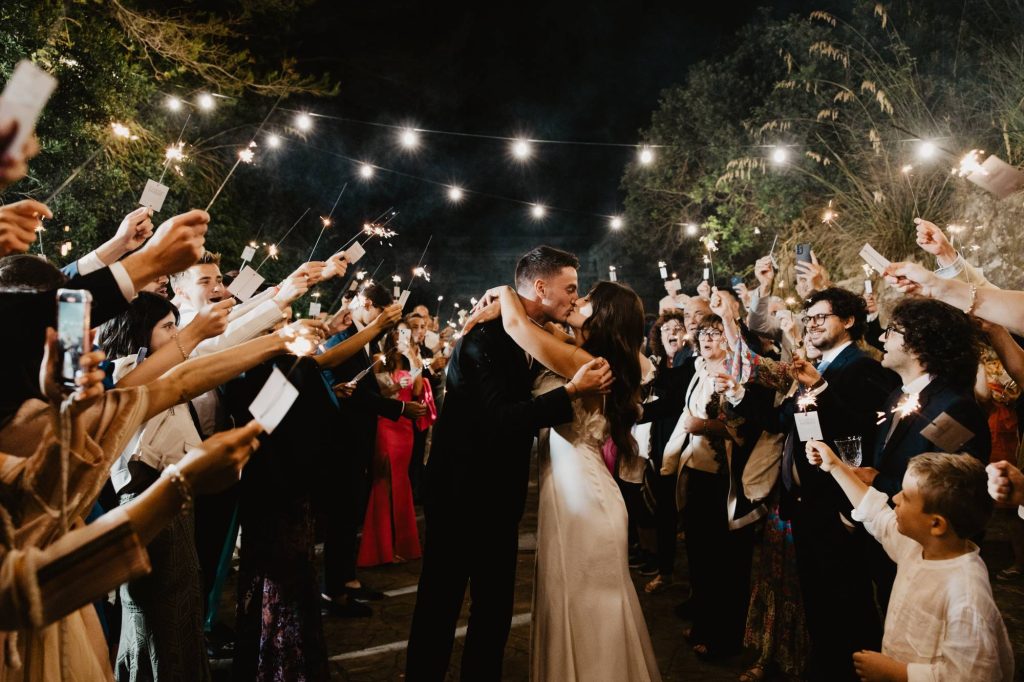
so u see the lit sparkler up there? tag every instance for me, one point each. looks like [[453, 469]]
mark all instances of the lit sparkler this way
[[122, 131], [908, 405], [806, 400], [971, 164], [829, 214]]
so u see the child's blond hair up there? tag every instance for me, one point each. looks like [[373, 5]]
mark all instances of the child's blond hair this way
[[955, 487]]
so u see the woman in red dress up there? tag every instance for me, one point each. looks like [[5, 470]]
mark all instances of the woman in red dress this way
[[389, 530]]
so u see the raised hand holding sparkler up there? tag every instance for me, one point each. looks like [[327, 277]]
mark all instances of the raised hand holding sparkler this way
[[19, 224]]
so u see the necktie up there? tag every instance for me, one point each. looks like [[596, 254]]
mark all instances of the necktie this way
[[823, 366]]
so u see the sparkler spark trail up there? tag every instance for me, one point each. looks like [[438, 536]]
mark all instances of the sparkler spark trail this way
[[971, 164], [272, 250], [908, 404], [326, 220], [806, 400], [252, 143]]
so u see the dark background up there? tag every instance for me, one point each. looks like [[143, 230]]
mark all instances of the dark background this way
[[563, 71]]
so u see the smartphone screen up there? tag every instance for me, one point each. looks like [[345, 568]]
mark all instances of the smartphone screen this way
[[73, 306], [736, 281], [803, 253]]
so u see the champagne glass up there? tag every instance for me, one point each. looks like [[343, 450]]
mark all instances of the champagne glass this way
[[849, 450]]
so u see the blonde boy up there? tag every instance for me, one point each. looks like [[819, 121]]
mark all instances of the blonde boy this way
[[942, 623]]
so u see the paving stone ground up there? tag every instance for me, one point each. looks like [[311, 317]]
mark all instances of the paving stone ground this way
[[352, 642]]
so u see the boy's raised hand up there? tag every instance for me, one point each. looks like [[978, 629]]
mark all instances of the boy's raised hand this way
[[821, 455], [1005, 483]]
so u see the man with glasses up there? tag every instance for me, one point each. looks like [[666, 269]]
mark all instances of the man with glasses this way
[[849, 389]]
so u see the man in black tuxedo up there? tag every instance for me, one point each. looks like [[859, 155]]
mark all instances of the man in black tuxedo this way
[[850, 389], [476, 479], [934, 349]]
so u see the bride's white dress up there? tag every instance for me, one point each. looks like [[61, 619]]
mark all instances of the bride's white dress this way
[[587, 622]]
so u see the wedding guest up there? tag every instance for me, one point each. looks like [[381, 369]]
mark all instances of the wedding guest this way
[[942, 622]]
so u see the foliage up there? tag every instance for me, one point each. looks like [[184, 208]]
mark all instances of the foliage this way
[[850, 97]]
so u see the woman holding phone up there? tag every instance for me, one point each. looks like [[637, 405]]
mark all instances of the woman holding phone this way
[[389, 529]]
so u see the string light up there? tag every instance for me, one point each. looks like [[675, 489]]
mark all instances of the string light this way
[[927, 150], [409, 138], [173, 103], [304, 122], [780, 155], [691, 230], [538, 211], [205, 101], [646, 156], [521, 149], [365, 171], [455, 193], [273, 141], [616, 223]]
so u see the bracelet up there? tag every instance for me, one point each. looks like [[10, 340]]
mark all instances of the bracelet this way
[[974, 300], [181, 485], [181, 349]]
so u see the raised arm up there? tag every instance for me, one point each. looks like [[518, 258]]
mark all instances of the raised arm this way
[[205, 373], [558, 356], [350, 346]]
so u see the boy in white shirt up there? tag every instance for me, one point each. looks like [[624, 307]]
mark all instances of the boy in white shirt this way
[[942, 623]]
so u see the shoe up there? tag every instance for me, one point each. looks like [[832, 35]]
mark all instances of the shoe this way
[[350, 609], [637, 559], [659, 583], [220, 642], [364, 593], [648, 569], [1011, 574]]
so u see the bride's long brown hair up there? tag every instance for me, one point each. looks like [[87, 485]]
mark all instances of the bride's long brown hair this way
[[615, 332]]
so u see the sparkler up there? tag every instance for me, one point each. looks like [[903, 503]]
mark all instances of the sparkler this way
[[326, 220], [709, 247], [272, 250], [244, 155], [419, 270], [829, 215], [971, 164], [176, 152], [908, 404], [806, 400], [119, 131]]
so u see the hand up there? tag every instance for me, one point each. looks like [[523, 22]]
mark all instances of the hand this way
[[869, 300], [414, 410], [724, 305], [89, 377], [821, 455], [704, 289], [911, 278], [490, 312], [344, 390], [315, 330], [212, 319], [492, 295], [872, 666], [336, 266], [933, 240], [218, 462], [14, 165], [765, 273], [743, 294], [724, 384], [134, 230], [176, 245], [865, 474], [804, 372], [693, 424], [593, 378], [1005, 483], [405, 382], [388, 317], [291, 289], [313, 271], [815, 275], [18, 223]]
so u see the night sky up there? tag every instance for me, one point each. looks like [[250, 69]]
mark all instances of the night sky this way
[[558, 70]]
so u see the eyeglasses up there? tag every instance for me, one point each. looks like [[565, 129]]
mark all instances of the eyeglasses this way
[[709, 334], [892, 328], [672, 328], [818, 319]]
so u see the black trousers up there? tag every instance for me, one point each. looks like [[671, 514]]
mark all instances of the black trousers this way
[[463, 547], [838, 597], [343, 514], [666, 520], [213, 520], [719, 561]]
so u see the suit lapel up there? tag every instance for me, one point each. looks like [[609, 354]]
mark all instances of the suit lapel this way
[[907, 422], [848, 355]]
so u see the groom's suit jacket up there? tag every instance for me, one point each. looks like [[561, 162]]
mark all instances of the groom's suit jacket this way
[[480, 457]]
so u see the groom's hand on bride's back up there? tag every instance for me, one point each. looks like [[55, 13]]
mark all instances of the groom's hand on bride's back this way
[[593, 378]]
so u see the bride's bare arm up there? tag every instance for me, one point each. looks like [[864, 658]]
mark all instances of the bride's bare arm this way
[[561, 358]]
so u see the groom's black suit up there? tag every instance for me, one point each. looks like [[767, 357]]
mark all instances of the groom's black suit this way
[[476, 483]]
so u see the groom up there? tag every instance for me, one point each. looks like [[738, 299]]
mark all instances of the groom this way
[[477, 476]]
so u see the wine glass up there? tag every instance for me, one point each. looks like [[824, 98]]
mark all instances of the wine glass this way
[[849, 450]]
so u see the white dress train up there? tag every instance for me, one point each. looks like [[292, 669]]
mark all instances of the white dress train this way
[[587, 622]]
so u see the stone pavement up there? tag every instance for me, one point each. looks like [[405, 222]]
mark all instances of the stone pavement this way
[[373, 649]]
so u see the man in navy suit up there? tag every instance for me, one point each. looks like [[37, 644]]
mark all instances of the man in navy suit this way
[[934, 349], [850, 388]]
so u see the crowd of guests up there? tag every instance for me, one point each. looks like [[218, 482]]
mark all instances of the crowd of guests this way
[[831, 464], [129, 470]]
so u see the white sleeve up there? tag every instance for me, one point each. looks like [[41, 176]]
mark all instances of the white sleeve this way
[[245, 306], [90, 263], [880, 520], [245, 328], [974, 647], [963, 271], [124, 281]]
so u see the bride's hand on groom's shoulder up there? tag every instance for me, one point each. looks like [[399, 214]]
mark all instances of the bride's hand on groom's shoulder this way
[[480, 315], [491, 296]]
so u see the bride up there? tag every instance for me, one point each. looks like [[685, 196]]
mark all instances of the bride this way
[[587, 622]]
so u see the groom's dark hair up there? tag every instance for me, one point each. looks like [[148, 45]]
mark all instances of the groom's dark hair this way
[[541, 262]]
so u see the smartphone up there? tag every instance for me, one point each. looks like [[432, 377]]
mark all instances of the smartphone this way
[[73, 307], [735, 281], [803, 253]]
